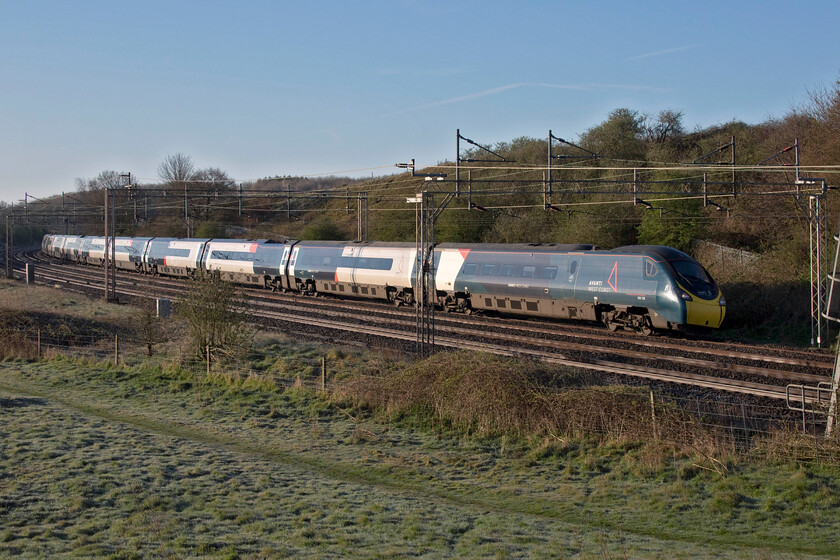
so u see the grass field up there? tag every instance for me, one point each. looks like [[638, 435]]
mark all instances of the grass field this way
[[150, 461], [99, 461]]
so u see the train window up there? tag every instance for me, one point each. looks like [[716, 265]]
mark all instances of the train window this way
[[549, 272], [528, 271], [374, 263], [691, 270], [573, 267], [650, 268], [488, 269], [507, 270], [234, 256], [469, 268]]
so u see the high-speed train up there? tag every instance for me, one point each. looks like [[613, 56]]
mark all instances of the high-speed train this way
[[642, 288]]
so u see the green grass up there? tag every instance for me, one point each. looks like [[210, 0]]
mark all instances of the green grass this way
[[147, 460], [100, 461]]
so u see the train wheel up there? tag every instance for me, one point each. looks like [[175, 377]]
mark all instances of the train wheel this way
[[611, 326]]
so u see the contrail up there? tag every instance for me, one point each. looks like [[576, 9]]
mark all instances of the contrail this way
[[666, 51], [493, 91]]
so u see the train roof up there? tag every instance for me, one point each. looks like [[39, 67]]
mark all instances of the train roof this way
[[316, 243], [520, 246], [664, 253]]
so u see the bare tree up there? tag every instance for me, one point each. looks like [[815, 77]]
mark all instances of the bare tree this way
[[213, 178], [105, 180], [177, 170], [668, 124]]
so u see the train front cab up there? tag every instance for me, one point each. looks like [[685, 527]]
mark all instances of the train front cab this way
[[705, 305], [703, 313]]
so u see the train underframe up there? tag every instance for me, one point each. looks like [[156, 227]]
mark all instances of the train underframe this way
[[637, 319]]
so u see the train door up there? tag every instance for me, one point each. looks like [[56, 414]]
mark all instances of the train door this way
[[292, 263], [347, 272], [286, 278], [570, 275]]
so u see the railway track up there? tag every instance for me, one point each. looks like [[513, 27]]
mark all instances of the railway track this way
[[760, 371]]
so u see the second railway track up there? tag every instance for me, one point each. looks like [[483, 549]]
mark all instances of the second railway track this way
[[760, 371]]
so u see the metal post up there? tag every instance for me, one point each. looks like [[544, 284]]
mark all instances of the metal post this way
[[116, 349], [635, 186], [832, 407], [734, 183], [106, 256], [831, 312], [424, 274], [208, 361], [8, 249], [323, 373], [547, 186], [113, 249], [816, 228], [418, 273], [186, 208], [458, 162], [109, 251], [545, 191], [362, 218]]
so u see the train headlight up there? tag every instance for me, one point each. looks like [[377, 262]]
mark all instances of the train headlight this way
[[722, 301], [683, 294]]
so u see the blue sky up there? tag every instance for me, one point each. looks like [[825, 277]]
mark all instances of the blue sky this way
[[274, 88]]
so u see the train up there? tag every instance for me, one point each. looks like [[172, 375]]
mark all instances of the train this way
[[642, 288]]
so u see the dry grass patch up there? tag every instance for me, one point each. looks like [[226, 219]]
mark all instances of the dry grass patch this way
[[492, 396]]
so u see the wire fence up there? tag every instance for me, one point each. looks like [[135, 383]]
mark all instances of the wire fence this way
[[719, 255], [709, 426]]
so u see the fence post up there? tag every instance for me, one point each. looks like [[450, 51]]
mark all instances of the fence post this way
[[746, 432], [323, 373], [116, 349], [653, 413], [39, 343], [208, 361]]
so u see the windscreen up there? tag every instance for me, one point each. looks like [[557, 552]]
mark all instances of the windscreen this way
[[695, 278]]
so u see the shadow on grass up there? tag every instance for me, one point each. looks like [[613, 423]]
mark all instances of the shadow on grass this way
[[20, 402]]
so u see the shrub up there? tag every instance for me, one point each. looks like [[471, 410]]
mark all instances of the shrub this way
[[215, 314]]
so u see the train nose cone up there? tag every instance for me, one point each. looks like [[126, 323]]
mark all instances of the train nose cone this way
[[705, 312]]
